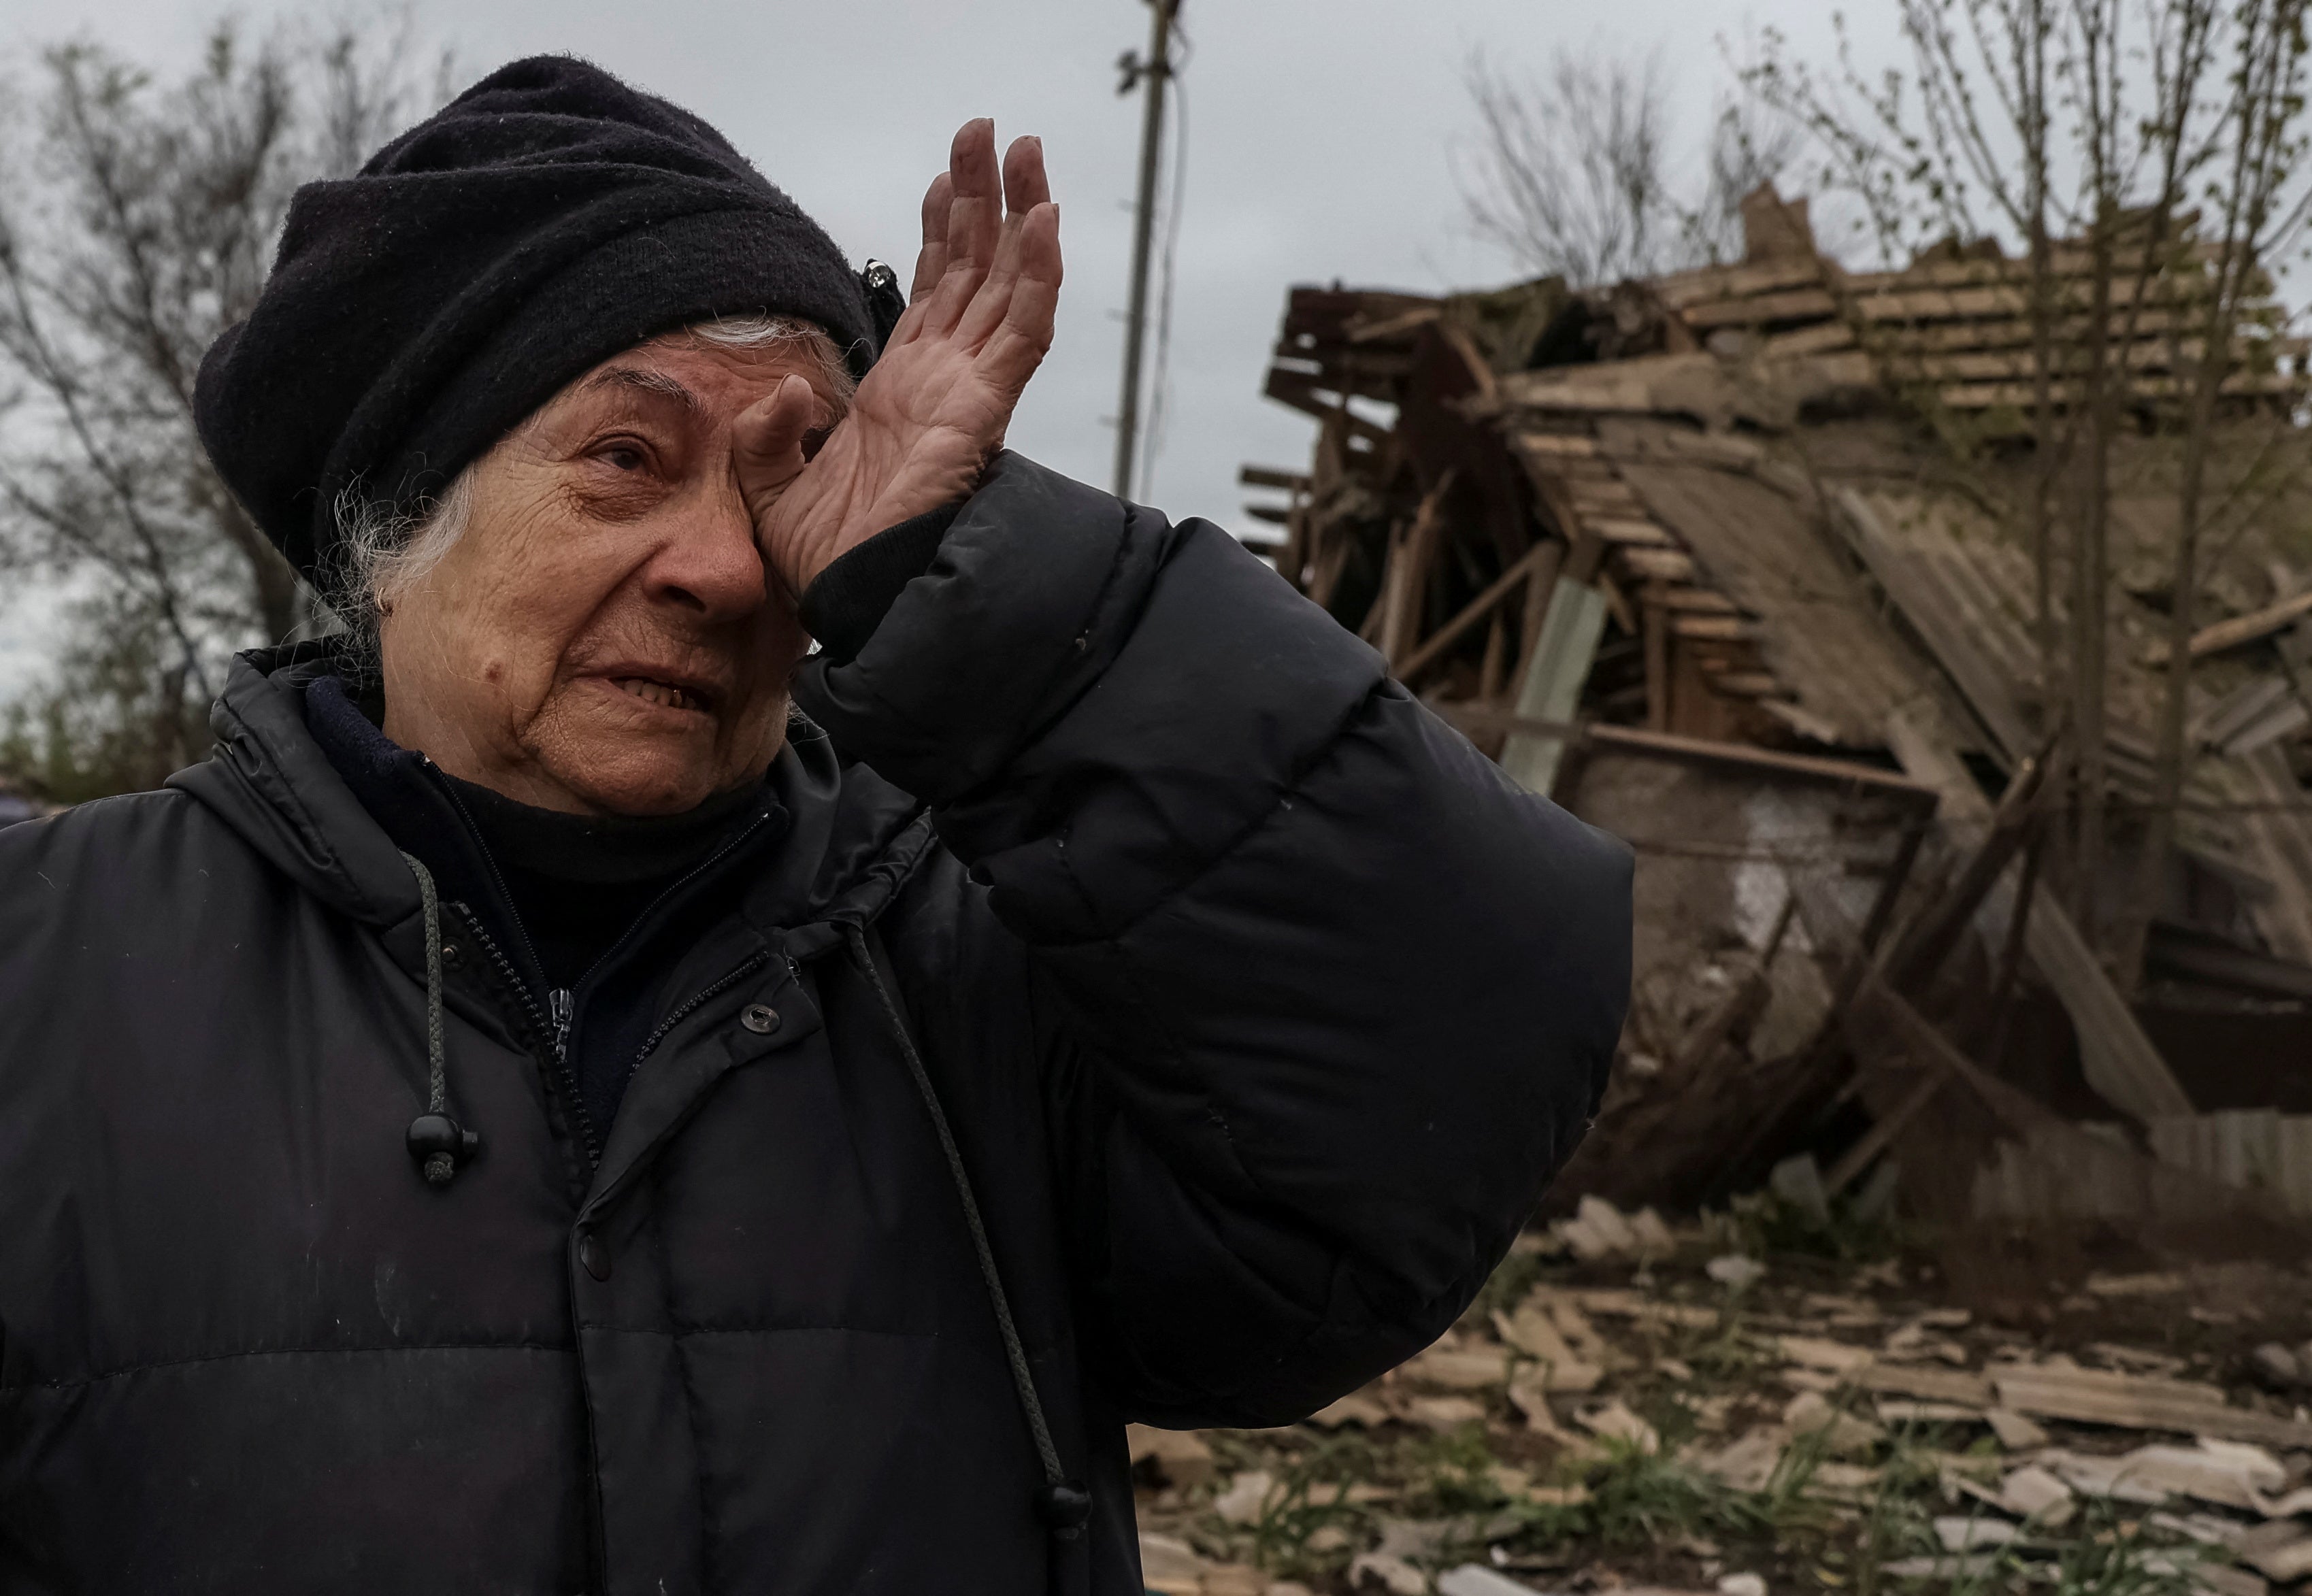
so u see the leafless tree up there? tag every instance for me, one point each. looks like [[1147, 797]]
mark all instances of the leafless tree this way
[[138, 221], [1568, 169], [2103, 120]]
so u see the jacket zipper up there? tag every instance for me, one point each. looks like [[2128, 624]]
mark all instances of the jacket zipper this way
[[559, 1007], [692, 1005], [538, 1030]]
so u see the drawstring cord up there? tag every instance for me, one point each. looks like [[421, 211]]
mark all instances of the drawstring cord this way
[[435, 1140], [1063, 1504]]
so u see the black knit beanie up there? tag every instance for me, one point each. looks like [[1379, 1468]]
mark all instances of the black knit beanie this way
[[545, 219]]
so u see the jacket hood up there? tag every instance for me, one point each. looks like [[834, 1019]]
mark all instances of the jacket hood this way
[[853, 839]]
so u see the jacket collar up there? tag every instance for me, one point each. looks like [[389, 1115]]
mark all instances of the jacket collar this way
[[853, 839]]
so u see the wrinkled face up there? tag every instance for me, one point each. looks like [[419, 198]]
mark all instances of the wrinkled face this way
[[606, 638]]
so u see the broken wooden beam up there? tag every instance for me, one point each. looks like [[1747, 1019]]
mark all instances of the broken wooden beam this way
[[1543, 553]]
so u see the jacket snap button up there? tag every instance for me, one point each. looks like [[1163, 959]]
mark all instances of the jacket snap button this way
[[450, 955], [594, 1256], [760, 1018]]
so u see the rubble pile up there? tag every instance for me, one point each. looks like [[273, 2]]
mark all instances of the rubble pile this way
[[1635, 1406]]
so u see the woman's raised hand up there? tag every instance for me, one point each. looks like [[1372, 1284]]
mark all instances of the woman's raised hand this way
[[936, 404]]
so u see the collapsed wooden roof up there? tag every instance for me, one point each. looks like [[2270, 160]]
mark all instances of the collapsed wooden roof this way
[[1778, 489], [1775, 473]]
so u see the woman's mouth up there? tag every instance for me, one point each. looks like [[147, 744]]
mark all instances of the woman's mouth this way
[[666, 695]]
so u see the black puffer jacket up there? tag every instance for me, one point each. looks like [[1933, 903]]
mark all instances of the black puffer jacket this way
[[1262, 1007]]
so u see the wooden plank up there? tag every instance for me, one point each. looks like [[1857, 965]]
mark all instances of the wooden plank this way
[[1714, 628], [1696, 601], [1605, 494], [1557, 445], [2075, 259], [1408, 600], [1819, 339], [1636, 534], [2142, 1402], [2016, 365], [2001, 301], [2252, 626], [1403, 323], [2068, 333], [1798, 304], [1745, 684], [1305, 394], [1551, 685], [1655, 634], [2117, 1058], [1681, 289], [1542, 553], [1659, 564], [1992, 396], [1272, 476], [1943, 629], [1764, 762], [1925, 1384]]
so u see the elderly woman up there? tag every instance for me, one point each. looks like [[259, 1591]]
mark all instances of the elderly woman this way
[[587, 1093]]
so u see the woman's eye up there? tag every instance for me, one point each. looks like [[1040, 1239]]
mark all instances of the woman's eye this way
[[626, 456]]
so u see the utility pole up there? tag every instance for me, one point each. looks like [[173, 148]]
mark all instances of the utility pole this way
[[1154, 73]]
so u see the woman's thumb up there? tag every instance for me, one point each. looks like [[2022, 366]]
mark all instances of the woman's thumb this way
[[767, 443]]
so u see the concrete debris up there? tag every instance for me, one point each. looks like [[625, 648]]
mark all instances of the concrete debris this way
[[1355, 1408], [1598, 1229], [1844, 1434], [1748, 1463], [2281, 1366], [1735, 1271], [1532, 1331], [2031, 1493], [2015, 1432], [1246, 1495], [1614, 1421], [2286, 1563], [1474, 1579], [1817, 1353], [1380, 1571], [1975, 1534], [1443, 1413], [1797, 1181], [1459, 1370], [1742, 1584], [1170, 1566], [1896, 1411]]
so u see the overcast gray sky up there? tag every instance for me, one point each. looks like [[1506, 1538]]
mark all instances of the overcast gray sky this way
[[1320, 141]]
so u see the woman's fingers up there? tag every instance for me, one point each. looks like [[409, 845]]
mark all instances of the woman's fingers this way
[[930, 260], [974, 222], [1025, 184], [1016, 345], [1025, 188]]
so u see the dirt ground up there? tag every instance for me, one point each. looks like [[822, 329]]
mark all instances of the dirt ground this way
[[1753, 1403]]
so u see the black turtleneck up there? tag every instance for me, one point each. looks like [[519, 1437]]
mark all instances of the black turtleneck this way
[[578, 883]]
